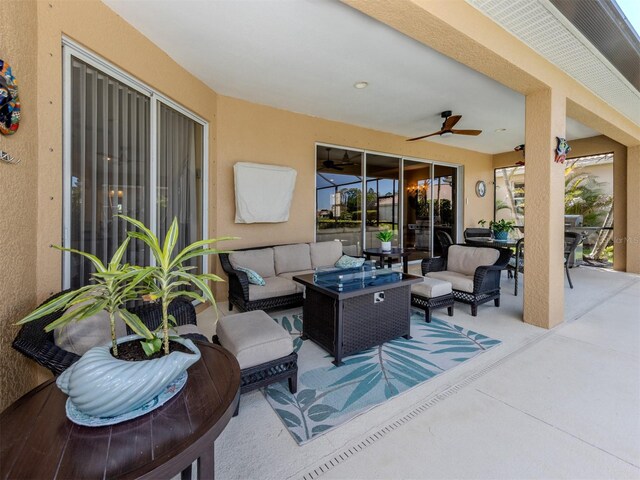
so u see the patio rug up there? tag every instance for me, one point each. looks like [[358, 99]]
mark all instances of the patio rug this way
[[329, 396]]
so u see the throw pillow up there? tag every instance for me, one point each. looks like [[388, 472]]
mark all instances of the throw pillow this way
[[345, 261], [79, 337], [253, 277]]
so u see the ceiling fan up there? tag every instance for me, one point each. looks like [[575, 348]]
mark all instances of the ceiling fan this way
[[329, 164], [447, 127]]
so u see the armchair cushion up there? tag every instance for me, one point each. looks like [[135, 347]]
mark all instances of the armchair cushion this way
[[292, 258], [325, 254], [260, 261], [458, 281], [466, 260], [79, 337]]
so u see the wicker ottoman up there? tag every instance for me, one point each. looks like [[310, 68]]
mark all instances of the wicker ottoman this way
[[263, 349], [432, 294]]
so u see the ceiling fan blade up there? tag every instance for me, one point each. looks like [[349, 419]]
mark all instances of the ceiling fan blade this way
[[424, 136], [451, 121], [467, 132]]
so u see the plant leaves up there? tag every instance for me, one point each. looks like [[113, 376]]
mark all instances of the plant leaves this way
[[363, 388], [358, 372], [278, 396], [305, 397], [290, 419], [319, 429], [318, 413]]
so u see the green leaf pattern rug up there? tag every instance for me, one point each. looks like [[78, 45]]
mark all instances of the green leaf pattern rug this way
[[329, 396]]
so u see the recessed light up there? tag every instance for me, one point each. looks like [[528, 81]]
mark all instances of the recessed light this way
[[361, 85], [500, 130]]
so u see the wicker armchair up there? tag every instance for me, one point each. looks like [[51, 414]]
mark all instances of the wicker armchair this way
[[486, 278], [33, 342]]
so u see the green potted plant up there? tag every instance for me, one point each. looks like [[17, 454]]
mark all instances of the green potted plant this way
[[385, 235], [101, 385], [502, 228]]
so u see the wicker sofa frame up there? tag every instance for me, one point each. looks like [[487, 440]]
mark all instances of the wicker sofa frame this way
[[486, 280], [239, 288], [258, 376], [34, 343]]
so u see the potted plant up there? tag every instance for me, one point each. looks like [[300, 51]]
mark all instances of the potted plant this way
[[502, 228], [102, 385], [385, 235]]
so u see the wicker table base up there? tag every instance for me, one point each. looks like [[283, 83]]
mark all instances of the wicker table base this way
[[344, 326]]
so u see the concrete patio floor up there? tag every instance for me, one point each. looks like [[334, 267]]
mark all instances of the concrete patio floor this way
[[563, 403]]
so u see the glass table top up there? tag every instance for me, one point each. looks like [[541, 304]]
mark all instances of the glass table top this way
[[350, 279]]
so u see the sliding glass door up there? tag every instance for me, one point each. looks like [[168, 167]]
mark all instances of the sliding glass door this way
[[358, 193], [128, 151]]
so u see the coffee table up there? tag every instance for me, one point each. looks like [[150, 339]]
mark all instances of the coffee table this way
[[347, 311], [38, 441]]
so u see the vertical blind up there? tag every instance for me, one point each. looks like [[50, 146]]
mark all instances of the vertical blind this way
[[110, 165], [179, 175]]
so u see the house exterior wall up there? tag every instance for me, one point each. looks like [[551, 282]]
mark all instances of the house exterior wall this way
[[238, 131], [18, 216], [31, 217]]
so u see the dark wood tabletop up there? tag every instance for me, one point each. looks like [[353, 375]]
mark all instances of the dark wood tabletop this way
[[37, 441], [389, 255]]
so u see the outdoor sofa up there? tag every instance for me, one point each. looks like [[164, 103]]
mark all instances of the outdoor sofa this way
[[277, 265]]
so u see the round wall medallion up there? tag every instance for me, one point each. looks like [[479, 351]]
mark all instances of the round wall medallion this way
[[481, 188]]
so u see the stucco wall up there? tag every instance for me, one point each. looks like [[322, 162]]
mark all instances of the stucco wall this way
[[18, 198], [594, 146], [256, 133], [31, 192]]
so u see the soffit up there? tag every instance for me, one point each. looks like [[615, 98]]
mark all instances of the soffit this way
[[304, 56], [540, 25]]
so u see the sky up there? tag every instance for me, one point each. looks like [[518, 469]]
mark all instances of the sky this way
[[631, 9]]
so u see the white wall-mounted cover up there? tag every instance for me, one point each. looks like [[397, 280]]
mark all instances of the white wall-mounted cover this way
[[263, 192]]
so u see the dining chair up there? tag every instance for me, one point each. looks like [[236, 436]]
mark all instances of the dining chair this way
[[478, 232], [571, 242], [516, 264]]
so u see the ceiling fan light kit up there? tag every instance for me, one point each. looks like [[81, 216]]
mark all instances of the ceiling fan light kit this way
[[447, 127]]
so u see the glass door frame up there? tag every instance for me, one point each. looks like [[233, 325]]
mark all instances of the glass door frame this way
[[459, 197]]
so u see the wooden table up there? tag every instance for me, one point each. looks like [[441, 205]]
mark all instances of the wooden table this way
[[38, 441], [348, 320], [389, 256]]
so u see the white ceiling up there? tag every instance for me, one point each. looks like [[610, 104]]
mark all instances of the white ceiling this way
[[305, 55]]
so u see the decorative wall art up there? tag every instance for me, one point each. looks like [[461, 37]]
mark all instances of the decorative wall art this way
[[561, 150], [9, 101], [263, 192]]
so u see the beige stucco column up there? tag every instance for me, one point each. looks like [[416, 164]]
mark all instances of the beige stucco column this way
[[633, 209], [544, 209]]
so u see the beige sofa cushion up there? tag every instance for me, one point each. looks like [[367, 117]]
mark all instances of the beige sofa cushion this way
[[260, 261], [274, 287], [253, 338], [292, 258], [325, 254], [431, 287], [79, 337], [458, 281], [466, 259]]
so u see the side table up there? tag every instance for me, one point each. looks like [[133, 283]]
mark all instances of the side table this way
[[38, 441], [395, 252]]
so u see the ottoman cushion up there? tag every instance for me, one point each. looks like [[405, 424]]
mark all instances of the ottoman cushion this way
[[254, 338], [431, 288]]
